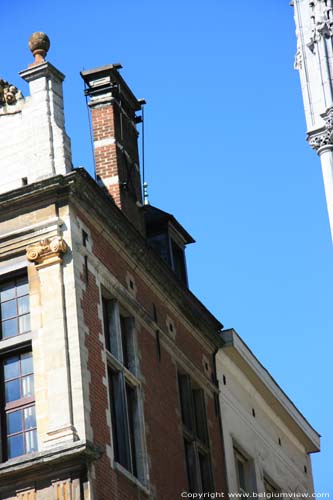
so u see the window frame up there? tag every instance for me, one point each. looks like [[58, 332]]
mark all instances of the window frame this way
[[8, 278], [240, 455], [20, 404], [125, 368], [240, 458], [271, 484], [195, 435]]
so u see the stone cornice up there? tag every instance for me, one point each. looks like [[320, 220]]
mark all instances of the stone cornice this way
[[47, 252], [76, 454]]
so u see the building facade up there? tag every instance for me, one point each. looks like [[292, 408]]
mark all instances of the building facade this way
[[267, 440], [108, 362], [107, 359]]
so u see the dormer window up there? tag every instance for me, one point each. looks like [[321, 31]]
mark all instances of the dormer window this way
[[178, 261], [168, 238]]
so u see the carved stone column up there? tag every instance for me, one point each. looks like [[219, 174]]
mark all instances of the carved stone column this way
[[50, 346]]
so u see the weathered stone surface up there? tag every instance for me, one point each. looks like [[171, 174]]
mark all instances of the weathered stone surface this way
[[39, 44]]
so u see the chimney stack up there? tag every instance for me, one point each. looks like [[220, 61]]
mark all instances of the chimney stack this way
[[113, 111]]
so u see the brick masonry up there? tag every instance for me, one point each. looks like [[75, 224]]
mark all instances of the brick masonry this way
[[167, 468]]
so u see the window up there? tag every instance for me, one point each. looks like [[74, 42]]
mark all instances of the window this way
[[245, 473], [19, 435], [242, 472], [178, 261], [15, 311], [124, 389], [270, 487], [195, 432]]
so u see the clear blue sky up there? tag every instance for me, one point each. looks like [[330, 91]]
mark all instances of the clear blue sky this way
[[225, 152]]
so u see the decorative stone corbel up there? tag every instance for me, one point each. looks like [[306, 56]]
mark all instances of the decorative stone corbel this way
[[47, 252]]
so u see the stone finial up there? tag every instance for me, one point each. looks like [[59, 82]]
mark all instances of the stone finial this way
[[47, 252], [39, 44]]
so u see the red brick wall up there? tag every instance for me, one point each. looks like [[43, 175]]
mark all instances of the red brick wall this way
[[110, 123], [161, 401]]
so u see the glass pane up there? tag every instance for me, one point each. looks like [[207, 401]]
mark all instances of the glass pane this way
[[22, 287], [15, 446], [26, 363], [12, 390], [23, 304], [14, 422], [9, 328], [190, 466], [133, 424], [124, 340], [27, 386], [205, 472], [24, 323], [29, 417], [12, 367], [186, 400], [7, 291], [241, 475], [200, 415], [31, 441], [8, 309]]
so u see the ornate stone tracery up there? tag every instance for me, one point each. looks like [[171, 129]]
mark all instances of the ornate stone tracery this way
[[324, 136], [322, 18], [9, 94], [47, 251]]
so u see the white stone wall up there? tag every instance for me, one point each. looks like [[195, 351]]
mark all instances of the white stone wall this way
[[314, 58], [34, 144], [258, 437]]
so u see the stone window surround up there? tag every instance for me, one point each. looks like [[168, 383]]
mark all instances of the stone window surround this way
[[130, 378]]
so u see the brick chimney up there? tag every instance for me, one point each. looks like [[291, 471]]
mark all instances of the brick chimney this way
[[113, 110]]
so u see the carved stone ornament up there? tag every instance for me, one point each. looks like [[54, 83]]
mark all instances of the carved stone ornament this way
[[47, 252], [9, 94], [39, 44], [323, 22], [324, 136]]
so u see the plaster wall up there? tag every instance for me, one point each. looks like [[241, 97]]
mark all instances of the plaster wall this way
[[258, 436]]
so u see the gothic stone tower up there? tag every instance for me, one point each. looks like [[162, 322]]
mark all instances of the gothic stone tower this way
[[314, 61]]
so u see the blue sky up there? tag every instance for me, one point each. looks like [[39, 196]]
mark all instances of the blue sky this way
[[225, 152]]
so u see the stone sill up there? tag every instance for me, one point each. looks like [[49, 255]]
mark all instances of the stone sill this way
[[131, 478]]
